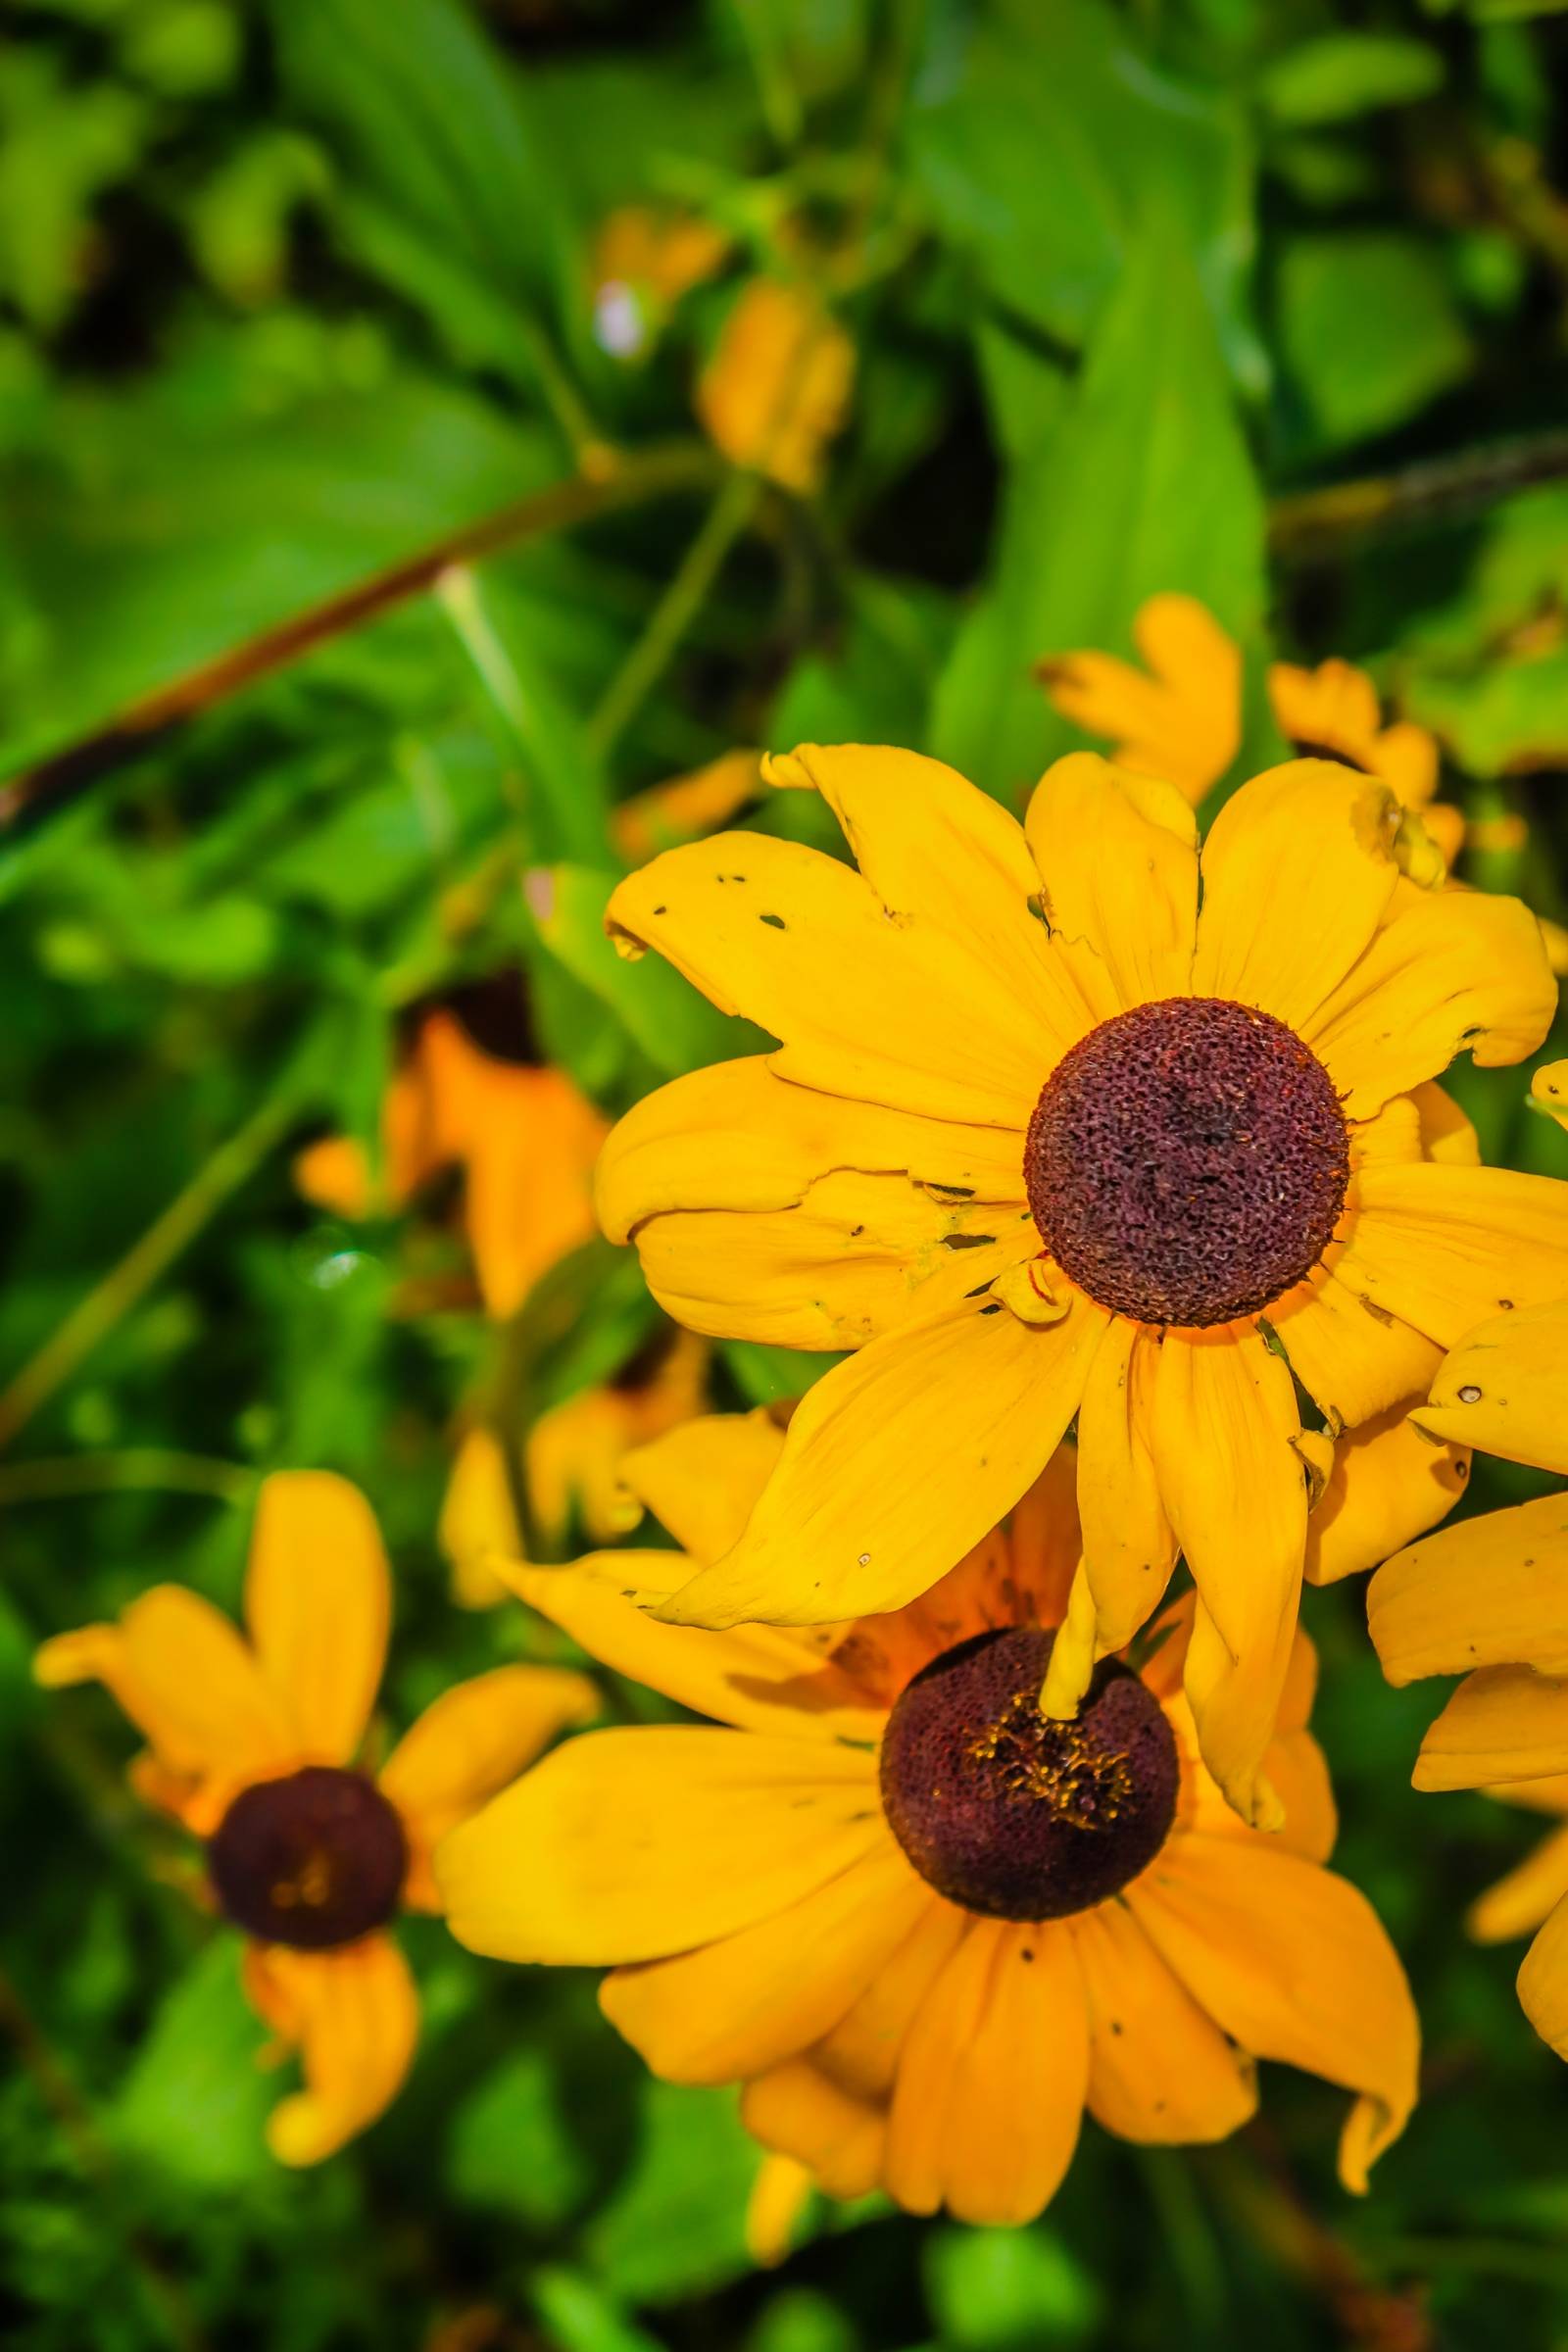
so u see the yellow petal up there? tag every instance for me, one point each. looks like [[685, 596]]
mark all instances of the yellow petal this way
[[686, 805], [897, 1463], [1446, 1133], [739, 1137], [1544, 1982], [1129, 1547], [1492, 1592], [742, 2005], [936, 851], [1045, 1535], [1445, 1248], [779, 2197], [1334, 704], [752, 1677], [777, 389], [1308, 833], [478, 1522], [187, 1680], [1220, 1429], [990, 2091], [859, 1256], [529, 1196], [355, 2016], [318, 1601], [796, 2111], [1454, 968], [1388, 1484], [635, 1844], [1117, 857], [1183, 722], [1354, 1359], [1548, 1090], [1159, 2070], [1521, 1900], [1504, 1723], [1292, 1964], [1505, 1388], [770, 928], [468, 1743], [702, 1481], [861, 2053]]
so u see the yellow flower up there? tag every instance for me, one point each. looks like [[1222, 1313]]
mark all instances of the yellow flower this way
[[686, 805], [1180, 717], [1489, 1599], [1548, 1092], [573, 1461], [252, 1745], [923, 1926], [776, 390], [1041, 1140], [524, 1136], [643, 261]]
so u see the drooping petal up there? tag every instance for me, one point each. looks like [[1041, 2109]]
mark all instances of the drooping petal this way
[[936, 850], [857, 1256], [798, 2112], [1543, 1981], [634, 1843], [770, 928], [1308, 832], [1504, 1389], [1220, 1428], [318, 1601], [1521, 1900], [1504, 1723], [1454, 968], [1160, 2071], [1129, 1547], [354, 2014], [898, 1463], [1446, 1248], [739, 1137], [1388, 1484], [754, 1678], [990, 2091], [471, 1741], [1292, 1963], [1491, 1591], [737, 2007], [187, 1680], [1117, 857]]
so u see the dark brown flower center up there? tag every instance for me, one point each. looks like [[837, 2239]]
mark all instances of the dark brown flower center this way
[[1008, 1813], [1186, 1162], [315, 1859]]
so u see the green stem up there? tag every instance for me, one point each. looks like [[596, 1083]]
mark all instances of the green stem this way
[[726, 518], [127, 1284], [135, 1469]]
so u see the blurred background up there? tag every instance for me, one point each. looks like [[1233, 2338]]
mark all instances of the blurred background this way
[[405, 530]]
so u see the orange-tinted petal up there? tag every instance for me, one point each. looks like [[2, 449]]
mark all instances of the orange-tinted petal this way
[[354, 2014]]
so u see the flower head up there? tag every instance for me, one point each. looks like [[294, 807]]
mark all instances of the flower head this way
[[921, 1923], [1042, 1140], [254, 1743], [776, 390]]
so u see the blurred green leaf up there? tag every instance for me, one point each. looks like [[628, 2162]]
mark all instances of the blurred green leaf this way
[[513, 2145], [195, 2101], [1340, 75], [577, 2316], [675, 2224], [1009, 2290], [1370, 331], [670, 1022]]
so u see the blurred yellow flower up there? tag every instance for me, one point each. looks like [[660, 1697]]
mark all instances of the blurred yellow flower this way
[[253, 1743], [687, 806], [776, 390], [1180, 716], [922, 1924], [522, 1135], [1489, 1599], [1043, 1140], [643, 261]]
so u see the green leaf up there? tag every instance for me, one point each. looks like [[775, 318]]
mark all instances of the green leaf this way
[[1009, 2290], [1146, 485], [513, 2146], [1370, 331], [577, 2316], [1340, 75], [195, 2102], [675, 2224], [674, 1026]]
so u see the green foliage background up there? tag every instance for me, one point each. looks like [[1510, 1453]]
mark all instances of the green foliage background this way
[[289, 291]]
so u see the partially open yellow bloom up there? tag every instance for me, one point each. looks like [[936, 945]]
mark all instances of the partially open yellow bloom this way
[[1043, 1140], [254, 1743], [922, 1924], [776, 390], [687, 806]]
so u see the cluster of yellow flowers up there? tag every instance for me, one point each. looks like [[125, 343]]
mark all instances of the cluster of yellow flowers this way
[[1081, 1125]]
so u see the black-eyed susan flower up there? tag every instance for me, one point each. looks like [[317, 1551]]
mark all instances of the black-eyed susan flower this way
[[777, 389], [254, 1743], [469, 1093], [922, 1924], [1489, 1599], [1042, 1140]]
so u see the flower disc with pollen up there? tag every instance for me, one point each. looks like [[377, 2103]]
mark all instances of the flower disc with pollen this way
[[1186, 1162], [314, 1860], [1010, 1812]]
